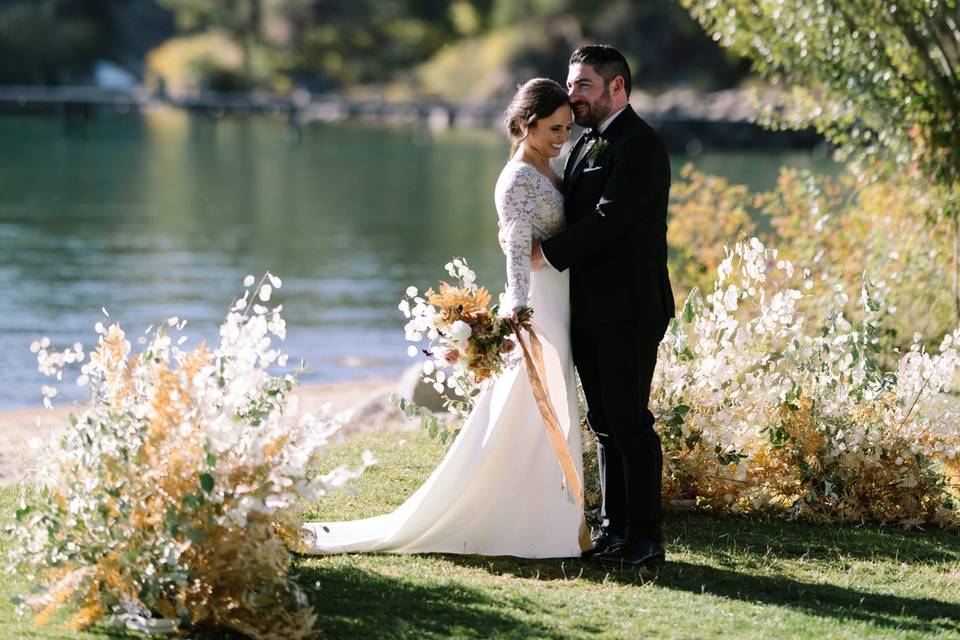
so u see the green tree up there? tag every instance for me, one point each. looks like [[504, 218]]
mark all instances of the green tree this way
[[242, 20], [879, 78], [52, 41], [354, 42]]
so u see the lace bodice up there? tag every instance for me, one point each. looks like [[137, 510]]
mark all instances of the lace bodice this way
[[530, 208]]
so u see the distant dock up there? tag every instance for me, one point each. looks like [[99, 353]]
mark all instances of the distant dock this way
[[685, 118]]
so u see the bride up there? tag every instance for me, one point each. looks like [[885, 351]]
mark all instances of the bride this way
[[500, 489]]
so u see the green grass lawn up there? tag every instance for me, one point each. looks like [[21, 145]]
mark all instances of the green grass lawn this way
[[743, 577]]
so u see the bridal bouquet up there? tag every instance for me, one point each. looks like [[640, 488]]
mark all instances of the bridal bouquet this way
[[170, 501], [464, 333]]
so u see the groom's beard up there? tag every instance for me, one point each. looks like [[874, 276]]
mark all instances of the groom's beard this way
[[594, 113]]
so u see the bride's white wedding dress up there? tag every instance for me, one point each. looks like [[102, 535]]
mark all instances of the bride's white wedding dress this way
[[500, 489]]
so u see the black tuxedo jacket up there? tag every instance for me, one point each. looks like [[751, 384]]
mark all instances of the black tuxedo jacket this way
[[615, 244]]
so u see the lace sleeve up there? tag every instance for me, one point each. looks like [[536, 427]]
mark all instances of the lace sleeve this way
[[516, 208]]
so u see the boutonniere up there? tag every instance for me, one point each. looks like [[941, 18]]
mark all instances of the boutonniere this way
[[598, 146]]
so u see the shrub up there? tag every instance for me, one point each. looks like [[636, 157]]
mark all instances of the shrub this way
[[760, 409], [171, 500]]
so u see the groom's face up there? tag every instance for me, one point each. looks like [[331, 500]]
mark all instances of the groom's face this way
[[589, 95]]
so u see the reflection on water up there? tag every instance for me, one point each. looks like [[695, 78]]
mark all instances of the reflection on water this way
[[163, 213]]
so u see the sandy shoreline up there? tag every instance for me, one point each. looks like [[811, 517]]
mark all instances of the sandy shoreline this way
[[366, 398]]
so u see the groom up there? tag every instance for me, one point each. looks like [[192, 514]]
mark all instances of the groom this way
[[616, 185]]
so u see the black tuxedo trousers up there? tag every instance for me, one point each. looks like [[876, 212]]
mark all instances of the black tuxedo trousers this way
[[616, 364]]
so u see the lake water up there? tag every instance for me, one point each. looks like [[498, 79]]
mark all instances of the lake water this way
[[164, 213]]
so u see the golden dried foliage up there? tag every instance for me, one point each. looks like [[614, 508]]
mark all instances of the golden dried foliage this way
[[798, 473], [176, 494], [707, 213], [459, 302], [237, 573], [111, 356], [839, 227], [882, 224]]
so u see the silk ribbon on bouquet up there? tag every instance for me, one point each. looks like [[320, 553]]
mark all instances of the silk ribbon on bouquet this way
[[536, 371]]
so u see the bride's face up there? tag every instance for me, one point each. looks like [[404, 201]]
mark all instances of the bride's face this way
[[547, 135]]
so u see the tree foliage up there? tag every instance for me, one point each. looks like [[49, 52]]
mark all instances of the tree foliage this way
[[241, 19], [877, 77], [338, 44], [50, 41]]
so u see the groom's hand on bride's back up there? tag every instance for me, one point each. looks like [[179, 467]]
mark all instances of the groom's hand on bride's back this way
[[537, 261]]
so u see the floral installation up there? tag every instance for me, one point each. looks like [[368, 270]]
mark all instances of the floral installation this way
[[759, 411], [467, 341], [598, 147], [821, 222], [172, 500]]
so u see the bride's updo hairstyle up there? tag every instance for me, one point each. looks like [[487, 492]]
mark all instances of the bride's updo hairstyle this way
[[535, 99]]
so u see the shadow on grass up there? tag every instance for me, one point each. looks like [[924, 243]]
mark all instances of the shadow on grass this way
[[918, 614], [819, 599], [746, 542], [772, 537], [355, 603]]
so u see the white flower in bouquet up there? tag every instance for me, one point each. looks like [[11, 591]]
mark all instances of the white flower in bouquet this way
[[460, 331]]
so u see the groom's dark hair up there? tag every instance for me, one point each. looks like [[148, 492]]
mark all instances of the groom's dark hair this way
[[606, 61]]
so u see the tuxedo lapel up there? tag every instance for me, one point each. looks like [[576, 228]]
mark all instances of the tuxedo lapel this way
[[577, 170], [571, 161], [610, 134]]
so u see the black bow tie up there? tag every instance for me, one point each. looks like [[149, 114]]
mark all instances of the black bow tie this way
[[591, 134]]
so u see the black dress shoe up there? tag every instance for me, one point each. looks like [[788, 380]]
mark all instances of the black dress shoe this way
[[603, 541], [632, 554]]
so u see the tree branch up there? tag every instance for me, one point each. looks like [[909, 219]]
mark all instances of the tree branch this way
[[938, 39], [954, 31], [942, 83]]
